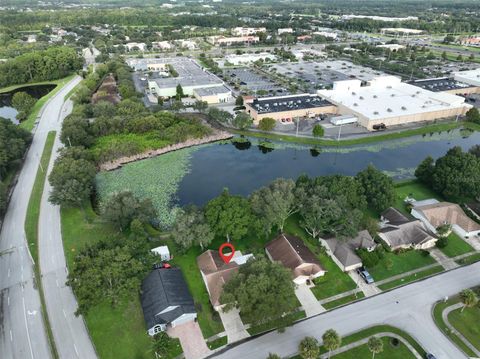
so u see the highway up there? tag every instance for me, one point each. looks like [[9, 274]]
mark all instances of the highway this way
[[22, 330], [69, 332], [408, 308]]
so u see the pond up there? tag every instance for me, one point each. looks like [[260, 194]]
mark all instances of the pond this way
[[8, 112], [196, 175], [213, 168]]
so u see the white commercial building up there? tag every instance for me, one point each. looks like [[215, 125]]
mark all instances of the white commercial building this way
[[249, 58], [388, 101], [217, 94], [141, 46], [162, 45], [227, 41], [400, 30], [392, 47], [328, 34], [471, 77], [286, 30], [379, 18], [187, 44], [247, 31]]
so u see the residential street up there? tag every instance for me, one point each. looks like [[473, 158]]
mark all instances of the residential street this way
[[408, 308], [22, 331], [70, 333]]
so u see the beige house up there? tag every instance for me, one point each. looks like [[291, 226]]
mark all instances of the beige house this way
[[400, 232], [293, 254], [343, 252], [286, 108], [211, 95], [434, 214]]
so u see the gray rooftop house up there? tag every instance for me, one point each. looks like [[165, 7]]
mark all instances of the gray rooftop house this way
[[166, 300], [398, 231], [343, 252]]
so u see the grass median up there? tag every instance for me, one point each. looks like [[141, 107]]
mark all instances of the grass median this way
[[31, 228]]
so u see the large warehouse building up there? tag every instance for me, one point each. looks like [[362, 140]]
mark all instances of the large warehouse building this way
[[287, 108], [388, 101], [471, 77]]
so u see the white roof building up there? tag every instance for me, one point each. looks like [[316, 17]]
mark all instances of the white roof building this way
[[249, 58], [246, 31], [471, 77], [163, 252], [332, 35], [132, 45], [392, 47], [286, 30], [389, 101], [162, 45], [187, 44]]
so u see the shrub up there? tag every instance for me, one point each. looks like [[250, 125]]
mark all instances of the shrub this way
[[442, 242], [369, 259]]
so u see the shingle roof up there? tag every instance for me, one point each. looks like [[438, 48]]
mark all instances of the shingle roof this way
[[344, 250], [408, 233], [294, 254], [163, 288], [394, 216], [446, 212]]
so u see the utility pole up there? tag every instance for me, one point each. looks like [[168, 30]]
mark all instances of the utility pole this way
[[339, 133], [298, 121]]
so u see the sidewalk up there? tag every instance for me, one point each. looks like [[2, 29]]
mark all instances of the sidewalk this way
[[465, 341]]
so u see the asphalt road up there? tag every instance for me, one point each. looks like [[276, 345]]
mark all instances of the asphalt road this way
[[69, 332], [22, 331], [408, 308]]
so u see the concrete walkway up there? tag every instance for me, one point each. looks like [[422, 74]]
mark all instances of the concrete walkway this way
[[474, 242], [307, 299], [367, 289], [465, 341], [365, 341], [445, 261], [233, 325]]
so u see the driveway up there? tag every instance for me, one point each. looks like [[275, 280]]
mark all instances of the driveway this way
[[233, 325], [307, 299], [191, 339], [367, 289], [442, 259]]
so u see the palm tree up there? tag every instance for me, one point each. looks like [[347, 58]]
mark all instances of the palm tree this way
[[331, 340], [273, 356], [375, 345], [309, 348], [468, 298]]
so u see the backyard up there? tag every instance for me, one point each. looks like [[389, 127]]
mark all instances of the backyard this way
[[413, 189]]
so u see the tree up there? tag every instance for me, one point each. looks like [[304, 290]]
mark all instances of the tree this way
[[177, 106], [448, 39], [13, 143], [475, 150], [425, 170], [23, 102], [309, 348], [161, 343], [318, 131], [473, 115], [191, 228], [469, 298], [242, 121], [275, 203], [121, 208], [239, 100], [378, 188], [76, 131], [229, 216], [262, 290], [375, 345], [104, 109], [200, 106], [471, 57], [444, 229], [331, 340], [218, 115], [444, 56], [101, 273], [267, 124], [179, 92], [71, 180], [459, 57]]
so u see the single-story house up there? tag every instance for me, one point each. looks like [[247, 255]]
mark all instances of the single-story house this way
[[398, 231], [215, 272], [343, 251], [435, 213], [292, 253], [163, 252], [166, 300]]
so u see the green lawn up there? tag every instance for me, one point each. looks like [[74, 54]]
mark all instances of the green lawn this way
[[217, 343], [469, 260], [413, 189], [334, 281], [467, 323], [437, 317], [273, 325], [30, 121], [456, 246], [342, 301], [400, 263], [411, 278], [389, 352], [33, 210]]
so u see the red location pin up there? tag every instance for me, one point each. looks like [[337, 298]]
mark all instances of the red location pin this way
[[226, 258]]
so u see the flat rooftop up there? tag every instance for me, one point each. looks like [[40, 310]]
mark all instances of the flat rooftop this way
[[388, 97], [440, 84], [210, 91], [288, 103], [471, 77]]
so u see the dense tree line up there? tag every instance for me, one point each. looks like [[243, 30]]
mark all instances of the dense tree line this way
[[51, 64], [455, 175]]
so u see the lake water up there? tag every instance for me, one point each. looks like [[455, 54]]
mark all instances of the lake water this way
[[218, 166], [8, 112]]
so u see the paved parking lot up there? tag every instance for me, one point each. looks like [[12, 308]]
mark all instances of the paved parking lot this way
[[254, 82]]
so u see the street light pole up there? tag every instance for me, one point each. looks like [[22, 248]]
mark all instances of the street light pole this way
[[339, 133]]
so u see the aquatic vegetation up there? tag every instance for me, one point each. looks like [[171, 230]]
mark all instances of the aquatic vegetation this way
[[156, 178]]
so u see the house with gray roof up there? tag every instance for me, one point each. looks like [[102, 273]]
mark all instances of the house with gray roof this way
[[398, 231], [344, 251], [166, 300]]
